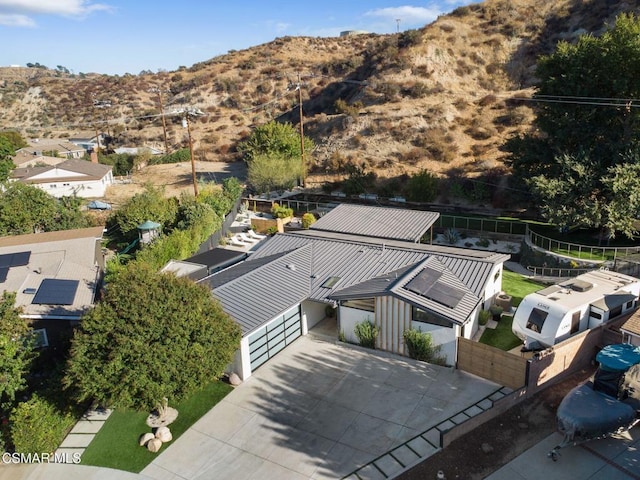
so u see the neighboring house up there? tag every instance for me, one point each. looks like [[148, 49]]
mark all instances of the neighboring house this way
[[555, 313], [284, 287], [631, 329], [137, 150], [71, 177], [89, 142], [24, 159], [53, 147], [55, 276]]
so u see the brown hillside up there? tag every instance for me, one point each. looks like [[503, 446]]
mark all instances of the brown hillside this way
[[439, 98]]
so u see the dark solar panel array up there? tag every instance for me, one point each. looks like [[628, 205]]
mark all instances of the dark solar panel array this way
[[56, 292], [422, 282], [445, 295], [9, 260], [427, 284]]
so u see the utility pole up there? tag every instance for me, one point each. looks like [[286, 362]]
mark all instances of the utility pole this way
[[398, 24], [187, 113], [302, 159], [164, 122]]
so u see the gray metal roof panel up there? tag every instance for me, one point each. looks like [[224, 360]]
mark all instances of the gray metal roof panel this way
[[262, 293], [381, 222]]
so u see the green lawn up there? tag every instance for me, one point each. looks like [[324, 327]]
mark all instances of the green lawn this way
[[518, 287], [116, 444], [501, 337]]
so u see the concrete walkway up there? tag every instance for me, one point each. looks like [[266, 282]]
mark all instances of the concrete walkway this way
[[81, 435]]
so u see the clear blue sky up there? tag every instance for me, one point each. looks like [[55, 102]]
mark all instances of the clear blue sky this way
[[120, 36]]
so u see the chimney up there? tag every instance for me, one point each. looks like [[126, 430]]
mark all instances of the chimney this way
[[94, 156]]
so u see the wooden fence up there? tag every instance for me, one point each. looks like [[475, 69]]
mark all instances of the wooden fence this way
[[488, 362]]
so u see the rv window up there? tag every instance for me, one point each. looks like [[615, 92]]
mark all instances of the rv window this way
[[536, 320], [595, 315], [629, 305], [615, 312]]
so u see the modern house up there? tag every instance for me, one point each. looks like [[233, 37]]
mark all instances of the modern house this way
[[557, 312], [366, 263], [71, 177], [55, 276]]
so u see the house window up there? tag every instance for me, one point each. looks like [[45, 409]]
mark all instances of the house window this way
[[53, 185], [66, 184], [422, 316], [366, 304], [41, 339], [536, 320]]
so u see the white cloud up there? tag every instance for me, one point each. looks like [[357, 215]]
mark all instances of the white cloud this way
[[18, 12], [15, 20], [408, 14], [282, 27]]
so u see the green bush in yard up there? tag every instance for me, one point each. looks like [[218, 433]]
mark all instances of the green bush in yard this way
[[39, 426], [366, 332], [308, 219], [420, 346]]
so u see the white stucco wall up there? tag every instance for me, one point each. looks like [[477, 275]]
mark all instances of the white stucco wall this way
[[347, 319], [313, 312], [443, 336]]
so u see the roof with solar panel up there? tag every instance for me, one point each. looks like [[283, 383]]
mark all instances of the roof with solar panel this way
[[53, 274]]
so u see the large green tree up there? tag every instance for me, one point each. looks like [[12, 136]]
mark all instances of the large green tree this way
[[16, 350], [27, 209], [153, 336], [587, 128]]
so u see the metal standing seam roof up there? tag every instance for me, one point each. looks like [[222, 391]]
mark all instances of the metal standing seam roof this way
[[381, 222], [394, 284], [262, 293]]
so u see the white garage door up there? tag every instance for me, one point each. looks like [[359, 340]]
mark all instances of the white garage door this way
[[273, 337]]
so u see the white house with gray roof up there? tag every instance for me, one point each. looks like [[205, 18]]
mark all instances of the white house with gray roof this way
[[284, 287], [72, 177]]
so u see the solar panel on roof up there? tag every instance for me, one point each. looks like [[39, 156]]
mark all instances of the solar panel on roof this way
[[20, 259], [445, 295], [5, 260], [3, 274], [423, 281], [14, 259], [56, 292]]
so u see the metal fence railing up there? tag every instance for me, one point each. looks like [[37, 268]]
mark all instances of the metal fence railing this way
[[489, 225], [578, 251]]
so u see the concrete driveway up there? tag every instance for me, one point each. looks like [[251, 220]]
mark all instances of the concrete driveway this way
[[317, 410]]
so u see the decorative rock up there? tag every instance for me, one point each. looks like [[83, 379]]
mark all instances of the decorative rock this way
[[144, 438], [154, 445], [234, 379], [164, 434], [486, 448]]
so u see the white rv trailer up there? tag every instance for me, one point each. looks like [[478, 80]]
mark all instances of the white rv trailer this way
[[559, 311]]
